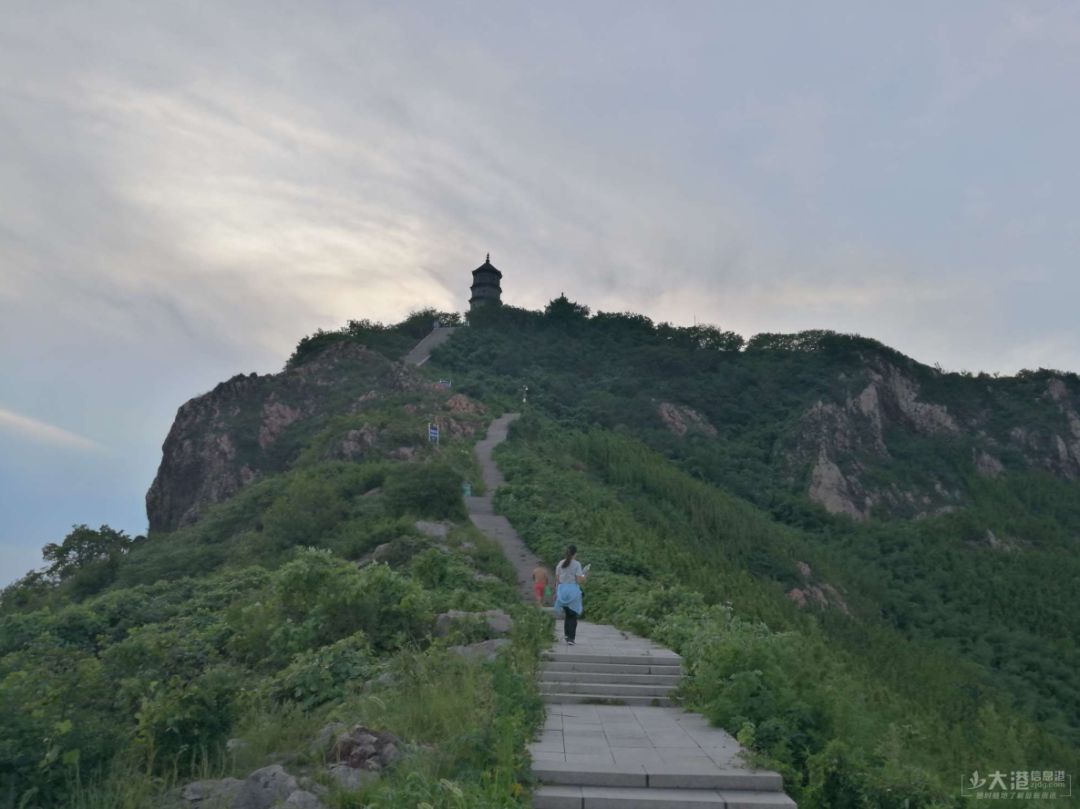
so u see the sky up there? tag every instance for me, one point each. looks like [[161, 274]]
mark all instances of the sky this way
[[187, 189]]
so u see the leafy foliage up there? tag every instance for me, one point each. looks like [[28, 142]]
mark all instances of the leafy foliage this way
[[393, 340], [852, 710], [257, 623]]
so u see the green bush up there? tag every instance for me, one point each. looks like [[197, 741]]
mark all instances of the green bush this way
[[318, 599], [305, 512], [182, 722], [431, 490], [325, 674]]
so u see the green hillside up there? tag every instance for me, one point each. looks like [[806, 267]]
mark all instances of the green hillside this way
[[135, 665], [869, 565], [927, 648]]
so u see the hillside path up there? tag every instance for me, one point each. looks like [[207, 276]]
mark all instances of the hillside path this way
[[422, 350], [612, 738], [482, 510]]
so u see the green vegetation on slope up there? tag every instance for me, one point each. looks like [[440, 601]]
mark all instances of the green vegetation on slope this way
[[851, 712], [128, 665], [963, 617]]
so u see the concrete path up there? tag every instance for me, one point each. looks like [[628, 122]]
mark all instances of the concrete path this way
[[421, 352], [612, 738], [482, 511]]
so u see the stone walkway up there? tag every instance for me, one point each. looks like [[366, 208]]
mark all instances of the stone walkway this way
[[421, 352], [482, 511], [612, 738]]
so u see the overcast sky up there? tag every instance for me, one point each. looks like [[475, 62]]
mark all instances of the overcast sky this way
[[186, 189]]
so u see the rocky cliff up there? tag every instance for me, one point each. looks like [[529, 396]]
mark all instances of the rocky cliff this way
[[848, 449], [346, 403]]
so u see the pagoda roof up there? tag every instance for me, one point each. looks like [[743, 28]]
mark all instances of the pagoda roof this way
[[487, 266]]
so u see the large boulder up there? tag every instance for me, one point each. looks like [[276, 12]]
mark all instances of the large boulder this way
[[211, 794], [365, 749], [350, 777], [302, 799], [266, 788], [360, 755]]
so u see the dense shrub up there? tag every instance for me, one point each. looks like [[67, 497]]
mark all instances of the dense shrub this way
[[318, 599], [324, 674], [424, 490]]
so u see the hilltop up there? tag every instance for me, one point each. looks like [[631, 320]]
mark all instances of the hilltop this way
[[867, 563]]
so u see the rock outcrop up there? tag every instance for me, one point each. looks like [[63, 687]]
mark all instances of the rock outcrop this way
[[254, 425], [813, 593], [682, 420], [839, 441], [266, 788]]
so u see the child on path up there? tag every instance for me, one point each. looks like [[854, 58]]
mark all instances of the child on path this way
[[540, 583]]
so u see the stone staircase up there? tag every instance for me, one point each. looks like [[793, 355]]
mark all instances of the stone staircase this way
[[571, 677], [613, 739]]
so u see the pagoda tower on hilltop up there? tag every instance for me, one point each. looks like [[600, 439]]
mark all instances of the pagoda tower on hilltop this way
[[486, 289]]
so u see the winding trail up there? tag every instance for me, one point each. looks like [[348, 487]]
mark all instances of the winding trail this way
[[421, 352], [482, 510], [612, 738]]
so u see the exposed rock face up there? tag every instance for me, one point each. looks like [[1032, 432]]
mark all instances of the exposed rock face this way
[[816, 594], [838, 440], [460, 403], [681, 420], [250, 425], [831, 489], [1066, 446], [987, 465]]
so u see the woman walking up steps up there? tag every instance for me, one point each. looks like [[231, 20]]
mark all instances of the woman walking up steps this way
[[569, 575]]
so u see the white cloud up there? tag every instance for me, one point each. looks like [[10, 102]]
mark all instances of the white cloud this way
[[42, 432]]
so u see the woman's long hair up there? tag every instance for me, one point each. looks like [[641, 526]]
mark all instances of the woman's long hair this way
[[571, 551]]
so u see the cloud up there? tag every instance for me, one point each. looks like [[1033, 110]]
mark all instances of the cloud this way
[[190, 189], [42, 432]]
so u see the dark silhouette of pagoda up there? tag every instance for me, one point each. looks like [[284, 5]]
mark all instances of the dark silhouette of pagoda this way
[[485, 289]]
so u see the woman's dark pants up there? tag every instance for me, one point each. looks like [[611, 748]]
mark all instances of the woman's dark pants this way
[[570, 624]]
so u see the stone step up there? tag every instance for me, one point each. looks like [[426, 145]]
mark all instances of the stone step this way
[[615, 668], [563, 698], [603, 677], [582, 797], [605, 689], [656, 776], [670, 659]]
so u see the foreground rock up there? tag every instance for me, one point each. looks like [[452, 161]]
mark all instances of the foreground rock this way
[[216, 794], [266, 788], [360, 755]]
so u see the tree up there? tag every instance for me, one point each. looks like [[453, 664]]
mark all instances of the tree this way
[[84, 548], [564, 310]]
